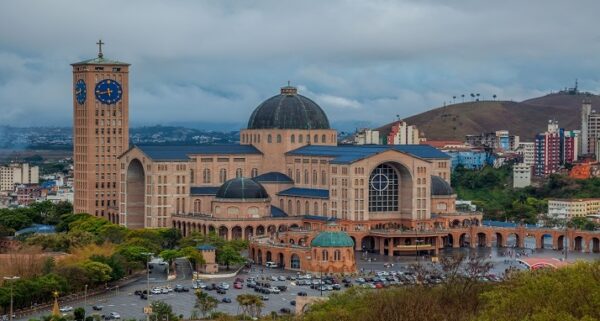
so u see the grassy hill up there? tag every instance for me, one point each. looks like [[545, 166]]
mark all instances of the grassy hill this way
[[525, 118]]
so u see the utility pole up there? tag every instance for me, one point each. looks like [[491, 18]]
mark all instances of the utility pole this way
[[85, 297], [11, 278], [148, 312]]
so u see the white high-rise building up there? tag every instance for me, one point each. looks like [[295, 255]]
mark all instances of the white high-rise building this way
[[18, 173], [521, 175], [590, 128], [527, 150]]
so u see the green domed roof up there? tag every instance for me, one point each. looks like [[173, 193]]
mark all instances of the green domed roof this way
[[332, 239]]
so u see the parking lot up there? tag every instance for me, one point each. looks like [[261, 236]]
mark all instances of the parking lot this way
[[125, 302]]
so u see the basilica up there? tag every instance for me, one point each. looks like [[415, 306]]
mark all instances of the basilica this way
[[304, 201]]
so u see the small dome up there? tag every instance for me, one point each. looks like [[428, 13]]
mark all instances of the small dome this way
[[439, 187], [288, 110], [241, 188], [332, 239]]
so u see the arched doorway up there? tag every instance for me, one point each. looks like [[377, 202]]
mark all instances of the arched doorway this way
[[368, 243], [464, 240], [236, 233], [562, 242], [512, 240], [546, 241], [260, 230], [499, 240], [223, 232], [136, 195], [578, 244], [481, 239], [530, 242], [259, 260], [271, 229], [248, 232], [595, 245], [281, 261], [295, 261], [455, 224], [269, 257]]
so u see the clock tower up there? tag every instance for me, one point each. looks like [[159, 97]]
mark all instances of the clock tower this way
[[100, 133]]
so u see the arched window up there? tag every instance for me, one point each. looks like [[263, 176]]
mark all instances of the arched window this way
[[281, 204], [297, 181], [205, 176], [323, 178], [238, 173], [289, 173], [316, 208], [278, 138], [337, 255], [306, 208], [306, 176], [258, 140], [307, 139], [324, 209], [323, 139], [292, 139], [290, 209], [314, 178], [295, 261], [197, 206], [325, 255], [222, 175], [254, 172], [316, 139], [300, 139], [298, 210], [383, 189], [269, 138]]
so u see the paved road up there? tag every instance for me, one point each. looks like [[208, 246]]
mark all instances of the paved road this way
[[129, 305]]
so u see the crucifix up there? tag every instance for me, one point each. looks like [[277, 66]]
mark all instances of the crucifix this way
[[100, 43]]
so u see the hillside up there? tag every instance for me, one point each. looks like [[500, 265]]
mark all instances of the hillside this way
[[525, 118]]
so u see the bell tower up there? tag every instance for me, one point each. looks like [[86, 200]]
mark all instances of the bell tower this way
[[100, 133]]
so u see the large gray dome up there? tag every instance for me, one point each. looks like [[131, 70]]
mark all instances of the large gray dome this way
[[439, 187], [288, 110], [242, 188]]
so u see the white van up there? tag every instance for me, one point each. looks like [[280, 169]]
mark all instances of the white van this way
[[270, 264]]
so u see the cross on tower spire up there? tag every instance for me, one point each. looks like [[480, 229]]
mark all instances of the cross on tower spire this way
[[100, 43]]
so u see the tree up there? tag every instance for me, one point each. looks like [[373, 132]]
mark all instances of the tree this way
[[228, 255], [97, 272], [79, 314], [193, 255], [169, 255], [14, 220], [163, 311], [205, 303]]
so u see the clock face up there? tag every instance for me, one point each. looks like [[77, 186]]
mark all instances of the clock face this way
[[108, 91], [80, 91], [380, 182]]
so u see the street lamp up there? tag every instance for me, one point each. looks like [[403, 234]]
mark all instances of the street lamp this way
[[148, 255], [11, 278]]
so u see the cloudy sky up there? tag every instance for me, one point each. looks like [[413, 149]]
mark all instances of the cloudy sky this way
[[207, 62]]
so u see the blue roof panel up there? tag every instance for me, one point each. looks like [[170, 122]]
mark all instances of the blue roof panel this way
[[277, 212], [346, 154], [204, 190], [305, 192], [182, 152]]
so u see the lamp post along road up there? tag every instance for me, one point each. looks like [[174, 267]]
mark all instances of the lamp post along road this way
[[11, 278], [148, 310]]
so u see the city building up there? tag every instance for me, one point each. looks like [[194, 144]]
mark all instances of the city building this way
[[500, 139], [100, 132], [18, 173], [570, 208], [590, 129], [403, 133], [554, 148], [287, 183], [367, 136], [470, 158], [527, 152], [521, 175]]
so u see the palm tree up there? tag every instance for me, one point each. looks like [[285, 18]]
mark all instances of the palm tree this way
[[205, 302], [473, 96], [453, 99], [477, 96], [463, 97], [494, 95]]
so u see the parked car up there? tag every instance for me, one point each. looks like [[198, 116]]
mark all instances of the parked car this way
[[282, 288], [66, 309], [114, 315], [281, 278], [302, 293], [274, 289], [226, 300], [293, 302], [97, 307], [238, 285], [285, 311], [264, 298], [224, 286], [221, 291]]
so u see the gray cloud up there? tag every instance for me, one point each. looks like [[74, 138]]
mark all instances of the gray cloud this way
[[214, 61]]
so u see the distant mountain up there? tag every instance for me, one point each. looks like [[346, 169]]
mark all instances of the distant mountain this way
[[526, 118]]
